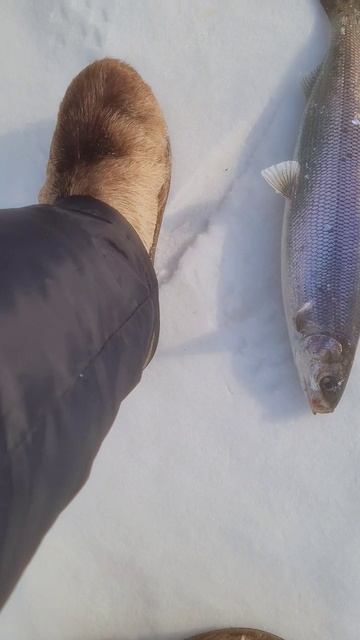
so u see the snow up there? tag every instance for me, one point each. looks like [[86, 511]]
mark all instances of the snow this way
[[217, 499]]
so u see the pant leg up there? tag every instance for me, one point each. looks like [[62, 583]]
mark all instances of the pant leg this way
[[83, 263]]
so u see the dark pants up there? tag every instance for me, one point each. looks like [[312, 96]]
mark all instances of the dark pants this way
[[79, 319]]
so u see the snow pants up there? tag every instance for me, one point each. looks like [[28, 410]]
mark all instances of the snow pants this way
[[79, 321]]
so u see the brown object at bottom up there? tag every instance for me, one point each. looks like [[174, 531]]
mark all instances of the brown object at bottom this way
[[235, 634]]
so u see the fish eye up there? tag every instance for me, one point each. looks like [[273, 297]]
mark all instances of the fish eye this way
[[329, 384]]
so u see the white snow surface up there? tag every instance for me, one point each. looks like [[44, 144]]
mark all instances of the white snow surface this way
[[217, 499]]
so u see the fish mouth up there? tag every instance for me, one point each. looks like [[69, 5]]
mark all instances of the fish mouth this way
[[318, 405], [322, 397], [322, 402]]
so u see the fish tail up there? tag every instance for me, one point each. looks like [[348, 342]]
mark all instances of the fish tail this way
[[338, 7]]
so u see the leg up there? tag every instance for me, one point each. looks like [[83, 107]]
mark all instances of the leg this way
[[79, 312]]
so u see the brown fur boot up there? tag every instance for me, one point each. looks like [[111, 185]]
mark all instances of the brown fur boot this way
[[235, 634], [111, 143]]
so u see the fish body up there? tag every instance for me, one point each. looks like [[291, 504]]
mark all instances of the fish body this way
[[321, 230]]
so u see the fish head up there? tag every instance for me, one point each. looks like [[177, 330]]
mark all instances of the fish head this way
[[323, 367]]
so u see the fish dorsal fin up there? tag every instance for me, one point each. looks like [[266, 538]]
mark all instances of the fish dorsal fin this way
[[283, 177], [308, 81]]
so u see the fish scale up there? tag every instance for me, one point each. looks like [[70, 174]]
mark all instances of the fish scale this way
[[321, 232]]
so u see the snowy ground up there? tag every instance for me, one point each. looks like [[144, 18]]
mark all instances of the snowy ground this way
[[217, 499]]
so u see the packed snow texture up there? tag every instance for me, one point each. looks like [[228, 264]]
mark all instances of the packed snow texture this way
[[217, 499]]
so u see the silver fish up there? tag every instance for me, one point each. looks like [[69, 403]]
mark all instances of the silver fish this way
[[321, 231]]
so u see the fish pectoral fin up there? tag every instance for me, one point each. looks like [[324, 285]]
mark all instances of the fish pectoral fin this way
[[283, 177], [303, 318], [308, 81]]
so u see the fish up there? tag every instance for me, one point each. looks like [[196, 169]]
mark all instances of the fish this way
[[320, 255]]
